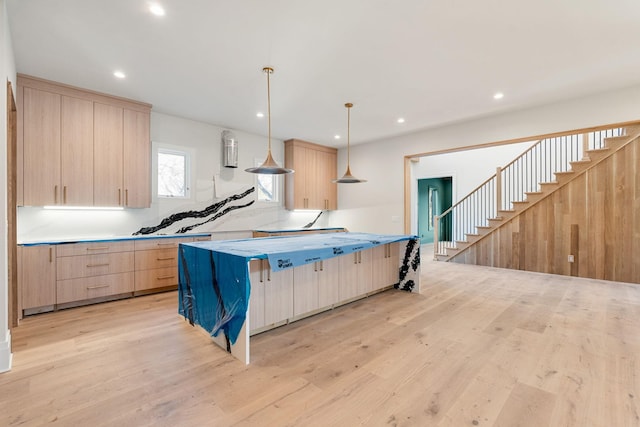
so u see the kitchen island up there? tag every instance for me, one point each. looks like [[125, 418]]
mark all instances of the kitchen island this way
[[237, 288]]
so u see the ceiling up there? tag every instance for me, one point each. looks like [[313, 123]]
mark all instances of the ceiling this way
[[429, 61]]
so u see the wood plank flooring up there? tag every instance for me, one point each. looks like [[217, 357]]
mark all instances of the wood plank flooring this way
[[478, 347]]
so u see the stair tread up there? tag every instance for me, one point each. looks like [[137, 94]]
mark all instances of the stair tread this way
[[532, 193], [564, 172]]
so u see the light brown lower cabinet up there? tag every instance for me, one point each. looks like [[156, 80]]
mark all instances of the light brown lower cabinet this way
[[79, 273], [87, 288], [37, 277], [271, 295], [385, 265], [291, 294]]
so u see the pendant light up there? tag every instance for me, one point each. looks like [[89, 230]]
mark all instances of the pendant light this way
[[348, 178], [269, 166]]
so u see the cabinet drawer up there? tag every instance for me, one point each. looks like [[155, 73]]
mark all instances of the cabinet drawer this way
[[72, 249], [93, 287], [156, 258], [156, 278], [72, 267], [171, 242]]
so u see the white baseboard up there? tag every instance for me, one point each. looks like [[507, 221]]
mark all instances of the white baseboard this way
[[5, 353]]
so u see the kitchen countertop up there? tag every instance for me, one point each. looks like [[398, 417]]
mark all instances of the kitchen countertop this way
[[107, 239], [295, 230]]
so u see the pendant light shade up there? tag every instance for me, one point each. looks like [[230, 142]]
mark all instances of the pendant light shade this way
[[348, 178], [269, 166]]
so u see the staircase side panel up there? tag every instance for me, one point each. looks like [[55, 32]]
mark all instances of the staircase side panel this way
[[602, 206]]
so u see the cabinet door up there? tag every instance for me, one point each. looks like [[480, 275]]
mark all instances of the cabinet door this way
[[385, 265], [312, 191], [41, 147], [329, 282], [256, 298], [278, 295], [299, 188], [137, 160], [393, 261], [327, 171], [108, 151], [76, 152], [365, 271], [38, 276], [348, 276], [305, 288]]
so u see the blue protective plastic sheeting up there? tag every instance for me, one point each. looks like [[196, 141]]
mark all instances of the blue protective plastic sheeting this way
[[214, 290]]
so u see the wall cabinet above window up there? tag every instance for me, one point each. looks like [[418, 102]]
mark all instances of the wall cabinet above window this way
[[310, 187], [81, 148]]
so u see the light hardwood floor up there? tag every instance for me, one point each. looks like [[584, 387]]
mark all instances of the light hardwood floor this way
[[478, 347]]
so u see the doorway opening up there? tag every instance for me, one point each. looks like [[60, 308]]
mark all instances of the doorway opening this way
[[434, 197]]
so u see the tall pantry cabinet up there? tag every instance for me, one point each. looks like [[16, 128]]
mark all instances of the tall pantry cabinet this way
[[81, 148]]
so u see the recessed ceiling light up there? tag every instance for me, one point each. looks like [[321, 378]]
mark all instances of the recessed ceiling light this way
[[119, 74], [498, 95], [260, 115], [156, 9], [336, 137], [400, 120]]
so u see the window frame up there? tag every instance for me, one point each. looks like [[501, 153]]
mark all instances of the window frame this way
[[187, 171]]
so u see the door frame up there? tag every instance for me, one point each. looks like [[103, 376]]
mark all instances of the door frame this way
[[12, 194]]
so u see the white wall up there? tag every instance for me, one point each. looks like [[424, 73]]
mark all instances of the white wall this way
[[378, 205], [203, 142], [7, 65]]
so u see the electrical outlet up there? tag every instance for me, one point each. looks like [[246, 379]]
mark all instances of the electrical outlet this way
[[571, 258]]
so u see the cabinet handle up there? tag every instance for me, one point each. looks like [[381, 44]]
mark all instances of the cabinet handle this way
[[126, 197], [50, 254], [166, 277], [261, 271], [166, 244], [97, 287], [98, 265], [55, 194], [98, 248], [315, 266], [359, 257], [321, 265], [64, 195], [355, 257], [165, 258]]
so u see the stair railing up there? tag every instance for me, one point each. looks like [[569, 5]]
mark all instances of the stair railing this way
[[510, 184]]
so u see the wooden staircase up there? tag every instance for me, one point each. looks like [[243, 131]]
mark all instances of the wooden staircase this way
[[591, 157]]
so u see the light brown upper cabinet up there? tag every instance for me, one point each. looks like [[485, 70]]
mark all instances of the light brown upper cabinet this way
[[108, 166], [81, 148], [310, 186], [137, 159], [76, 154], [41, 110]]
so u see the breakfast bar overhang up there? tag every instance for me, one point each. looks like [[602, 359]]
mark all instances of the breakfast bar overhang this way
[[236, 288]]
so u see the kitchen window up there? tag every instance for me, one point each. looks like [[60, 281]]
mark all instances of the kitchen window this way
[[173, 173], [267, 186]]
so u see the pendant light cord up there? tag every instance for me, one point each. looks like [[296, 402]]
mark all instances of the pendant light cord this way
[[269, 71], [348, 134]]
